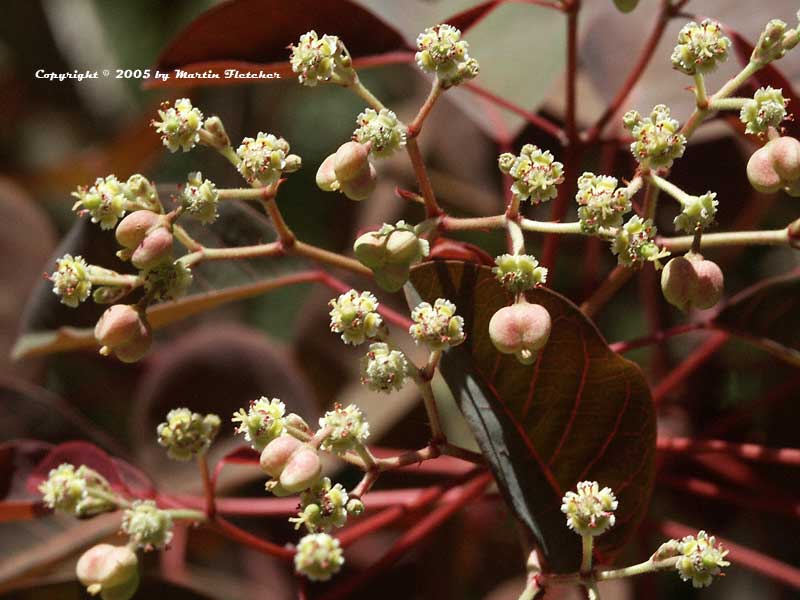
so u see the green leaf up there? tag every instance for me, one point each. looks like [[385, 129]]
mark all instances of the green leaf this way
[[581, 412], [767, 315]]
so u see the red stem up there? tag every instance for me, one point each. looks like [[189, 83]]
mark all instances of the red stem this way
[[542, 123], [233, 532], [714, 491], [739, 555], [657, 337], [694, 361], [754, 452], [635, 74]]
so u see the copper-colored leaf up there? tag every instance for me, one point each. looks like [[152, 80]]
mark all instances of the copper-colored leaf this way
[[580, 412], [253, 35]]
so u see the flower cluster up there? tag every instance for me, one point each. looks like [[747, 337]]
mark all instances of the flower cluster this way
[[383, 369], [657, 139], [262, 422], [168, 280], [323, 507], [590, 511], [770, 44], [318, 556], [698, 212], [186, 434], [148, 526], [104, 201], [700, 47], [634, 243], [355, 316], [262, 160], [319, 60], [601, 203], [199, 198], [766, 109], [81, 492], [535, 173], [701, 559], [180, 125], [382, 130], [442, 51], [438, 326], [71, 282], [519, 272], [348, 429]]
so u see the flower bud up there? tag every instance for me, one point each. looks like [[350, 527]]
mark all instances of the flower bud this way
[[692, 282], [362, 186], [520, 329], [186, 434], [214, 126], [111, 571], [302, 470], [785, 155], [326, 175], [277, 453], [761, 173], [132, 230], [348, 429], [155, 247], [350, 161]]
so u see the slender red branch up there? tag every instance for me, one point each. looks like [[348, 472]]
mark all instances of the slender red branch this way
[[542, 123], [714, 491], [693, 362], [658, 336], [238, 534], [742, 556], [635, 74], [754, 452]]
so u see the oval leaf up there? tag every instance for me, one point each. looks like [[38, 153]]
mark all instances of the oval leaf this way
[[253, 35], [580, 412]]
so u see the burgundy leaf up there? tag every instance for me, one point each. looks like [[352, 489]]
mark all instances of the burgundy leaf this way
[[120, 475], [253, 35], [580, 412], [467, 19]]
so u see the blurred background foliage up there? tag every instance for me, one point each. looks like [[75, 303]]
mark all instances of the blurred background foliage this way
[[55, 136]]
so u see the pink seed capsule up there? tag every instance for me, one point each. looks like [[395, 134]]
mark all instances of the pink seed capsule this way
[[133, 228], [761, 172], [785, 155], [112, 571], [692, 282], [155, 247], [351, 161], [362, 186], [277, 453], [117, 325], [302, 470], [326, 176], [521, 329]]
